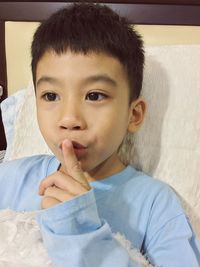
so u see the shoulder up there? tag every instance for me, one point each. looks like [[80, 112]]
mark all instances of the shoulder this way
[[20, 179], [155, 195], [39, 163], [144, 182]]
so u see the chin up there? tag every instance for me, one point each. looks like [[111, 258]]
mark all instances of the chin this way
[[85, 166], [89, 166]]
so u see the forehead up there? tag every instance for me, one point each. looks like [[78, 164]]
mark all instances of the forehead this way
[[78, 65]]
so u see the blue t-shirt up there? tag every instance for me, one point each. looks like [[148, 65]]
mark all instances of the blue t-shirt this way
[[78, 232]]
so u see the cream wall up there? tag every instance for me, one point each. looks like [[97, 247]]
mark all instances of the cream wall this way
[[18, 44], [19, 36], [169, 35]]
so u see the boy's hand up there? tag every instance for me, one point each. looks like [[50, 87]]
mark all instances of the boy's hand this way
[[66, 184]]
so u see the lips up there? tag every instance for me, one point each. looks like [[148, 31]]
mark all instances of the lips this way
[[77, 145], [79, 149]]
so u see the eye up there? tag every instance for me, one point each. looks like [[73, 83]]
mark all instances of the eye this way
[[96, 96], [50, 97]]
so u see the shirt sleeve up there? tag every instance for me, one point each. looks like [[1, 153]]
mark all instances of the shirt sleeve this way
[[75, 236], [170, 239]]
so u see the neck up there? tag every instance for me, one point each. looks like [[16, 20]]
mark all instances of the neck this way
[[107, 168]]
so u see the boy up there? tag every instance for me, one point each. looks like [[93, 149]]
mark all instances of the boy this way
[[87, 66]]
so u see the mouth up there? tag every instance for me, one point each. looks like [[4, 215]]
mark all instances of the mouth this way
[[79, 149], [77, 145]]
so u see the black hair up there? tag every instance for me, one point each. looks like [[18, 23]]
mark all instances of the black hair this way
[[85, 28]]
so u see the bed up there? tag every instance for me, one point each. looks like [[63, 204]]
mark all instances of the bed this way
[[171, 30]]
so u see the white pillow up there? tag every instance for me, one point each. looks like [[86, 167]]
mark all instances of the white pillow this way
[[10, 108], [27, 139], [168, 144], [21, 242]]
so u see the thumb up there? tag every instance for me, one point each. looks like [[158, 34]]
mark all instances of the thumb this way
[[72, 166]]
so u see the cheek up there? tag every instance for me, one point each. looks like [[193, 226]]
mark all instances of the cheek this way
[[112, 129], [44, 124], [41, 120]]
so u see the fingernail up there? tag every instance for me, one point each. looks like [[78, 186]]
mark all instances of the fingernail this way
[[67, 143]]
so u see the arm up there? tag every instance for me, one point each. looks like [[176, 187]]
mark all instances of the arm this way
[[75, 236], [170, 240], [72, 231]]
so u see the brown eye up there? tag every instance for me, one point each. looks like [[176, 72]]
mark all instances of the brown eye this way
[[95, 96], [50, 97]]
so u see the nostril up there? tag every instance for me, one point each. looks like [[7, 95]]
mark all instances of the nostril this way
[[71, 123], [63, 127], [77, 128], [70, 128]]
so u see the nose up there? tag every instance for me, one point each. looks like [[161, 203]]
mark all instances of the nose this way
[[71, 117]]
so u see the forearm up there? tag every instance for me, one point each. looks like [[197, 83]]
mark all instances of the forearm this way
[[77, 237]]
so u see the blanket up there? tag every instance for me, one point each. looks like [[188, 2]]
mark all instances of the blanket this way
[[21, 242]]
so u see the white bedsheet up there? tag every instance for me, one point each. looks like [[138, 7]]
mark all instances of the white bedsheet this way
[[21, 242], [2, 154]]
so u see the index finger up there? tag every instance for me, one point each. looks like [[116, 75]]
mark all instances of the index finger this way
[[72, 165]]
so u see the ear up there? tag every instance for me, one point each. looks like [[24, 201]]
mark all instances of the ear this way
[[136, 114]]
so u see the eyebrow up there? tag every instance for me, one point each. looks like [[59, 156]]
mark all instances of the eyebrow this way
[[91, 79], [100, 78], [47, 79]]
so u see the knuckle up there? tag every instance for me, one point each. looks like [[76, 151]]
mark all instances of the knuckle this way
[[85, 187], [46, 202], [50, 190], [47, 191], [76, 167]]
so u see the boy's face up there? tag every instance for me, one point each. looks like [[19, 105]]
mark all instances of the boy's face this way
[[84, 98]]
